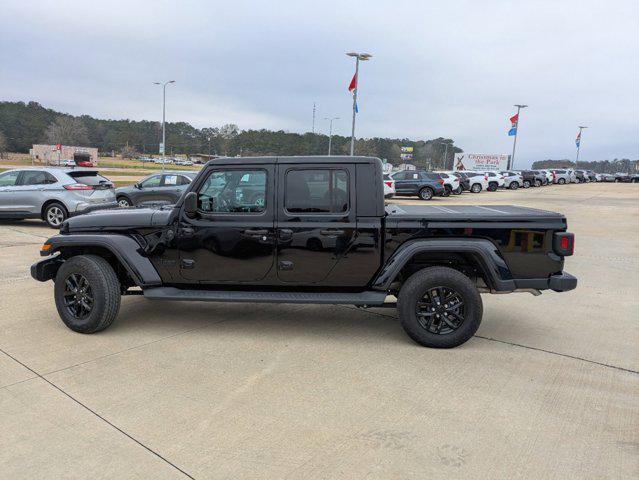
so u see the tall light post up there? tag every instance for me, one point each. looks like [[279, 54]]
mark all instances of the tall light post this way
[[578, 142], [353, 88], [516, 126], [330, 133], [163, 149]]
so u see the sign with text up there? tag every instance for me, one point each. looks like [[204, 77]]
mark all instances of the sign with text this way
[[481, 162]]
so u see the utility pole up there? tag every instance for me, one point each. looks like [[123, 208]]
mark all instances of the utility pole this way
[[330, 133], [313, 131], [445, 156], [578, 144], [353, 87], [163, 146], [512, 158]]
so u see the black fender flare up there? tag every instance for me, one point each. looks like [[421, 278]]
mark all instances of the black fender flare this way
[[483, 251], [124, 247]]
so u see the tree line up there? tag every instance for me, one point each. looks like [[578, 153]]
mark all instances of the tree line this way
[[600, 166], [24, 124]]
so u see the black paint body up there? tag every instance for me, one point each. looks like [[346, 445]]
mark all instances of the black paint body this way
[[363, 248]]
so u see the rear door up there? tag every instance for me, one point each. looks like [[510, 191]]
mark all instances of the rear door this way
[[316, 220], [172, 186], [407, 182]]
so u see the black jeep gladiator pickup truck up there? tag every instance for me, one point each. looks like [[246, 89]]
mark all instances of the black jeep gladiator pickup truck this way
[[306, 230]]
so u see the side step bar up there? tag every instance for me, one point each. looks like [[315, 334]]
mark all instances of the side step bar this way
[[371, 298]]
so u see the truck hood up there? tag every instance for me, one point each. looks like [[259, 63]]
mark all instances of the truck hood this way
[[118, 219]]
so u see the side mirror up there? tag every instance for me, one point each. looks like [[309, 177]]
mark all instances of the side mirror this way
[[190, 204], [138, 186]]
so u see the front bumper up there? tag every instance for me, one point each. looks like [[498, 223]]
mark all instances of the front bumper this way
[[559, 282], [46, 269]]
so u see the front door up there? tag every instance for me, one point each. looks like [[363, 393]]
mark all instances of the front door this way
[[316, 220], [232, 238]]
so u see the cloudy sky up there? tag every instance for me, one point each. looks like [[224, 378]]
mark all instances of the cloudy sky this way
[[440, 68]]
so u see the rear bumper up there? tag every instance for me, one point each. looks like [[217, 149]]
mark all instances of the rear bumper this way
[[560, 282]]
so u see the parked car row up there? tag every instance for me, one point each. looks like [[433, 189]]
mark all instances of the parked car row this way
[[426, 185]]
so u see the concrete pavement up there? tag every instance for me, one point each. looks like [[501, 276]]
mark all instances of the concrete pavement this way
[[549, 387]]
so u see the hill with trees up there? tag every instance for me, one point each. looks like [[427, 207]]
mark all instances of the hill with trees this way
[[23, 124]]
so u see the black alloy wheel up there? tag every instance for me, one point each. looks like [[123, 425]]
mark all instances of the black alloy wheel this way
[[441, 310], [78, 296]]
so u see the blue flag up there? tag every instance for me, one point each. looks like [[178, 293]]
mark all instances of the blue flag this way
[[512, 132]]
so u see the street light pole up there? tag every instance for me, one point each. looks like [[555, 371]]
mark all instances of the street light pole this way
[[163, 152], [581, 127], [330, 133], [363, 57], [512, 158]]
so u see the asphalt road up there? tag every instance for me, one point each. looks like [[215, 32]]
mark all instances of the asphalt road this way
[[549, 387]]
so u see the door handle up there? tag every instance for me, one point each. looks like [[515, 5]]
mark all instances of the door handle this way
[[256, 232], [332, 232]]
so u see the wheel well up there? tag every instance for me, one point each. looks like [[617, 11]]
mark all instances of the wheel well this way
[[467, 263], [119, 269], [49, 202]]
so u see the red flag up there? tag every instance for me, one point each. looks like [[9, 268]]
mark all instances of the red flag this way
[[514, 119], [351, 86]]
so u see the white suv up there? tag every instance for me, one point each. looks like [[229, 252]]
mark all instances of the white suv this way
[[451, 183], [512, 180], [478, 181]]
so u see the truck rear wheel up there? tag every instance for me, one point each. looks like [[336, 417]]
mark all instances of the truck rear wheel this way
[[439, 307], [87, 293]]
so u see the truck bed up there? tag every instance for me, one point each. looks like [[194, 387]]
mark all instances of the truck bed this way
[[470, 213]]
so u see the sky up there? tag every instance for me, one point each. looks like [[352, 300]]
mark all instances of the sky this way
[[449, 69]]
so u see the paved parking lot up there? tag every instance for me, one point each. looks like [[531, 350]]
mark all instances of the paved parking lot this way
[[549, 387]]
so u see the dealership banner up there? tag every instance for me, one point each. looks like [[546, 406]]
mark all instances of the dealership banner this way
[[481, 162]]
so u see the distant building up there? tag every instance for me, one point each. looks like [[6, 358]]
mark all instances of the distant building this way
[[51, 154]]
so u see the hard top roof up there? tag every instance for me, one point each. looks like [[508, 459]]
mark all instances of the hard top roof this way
[[311, 159]]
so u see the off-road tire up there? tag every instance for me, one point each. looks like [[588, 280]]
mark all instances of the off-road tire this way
[[414, 289], [426, 193], [105, 289]]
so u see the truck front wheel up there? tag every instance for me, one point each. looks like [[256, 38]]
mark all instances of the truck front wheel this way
[[87, 293], [439, 307]]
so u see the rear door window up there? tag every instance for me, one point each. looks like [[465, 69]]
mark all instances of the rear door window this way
[[30, 177], [316, 191]]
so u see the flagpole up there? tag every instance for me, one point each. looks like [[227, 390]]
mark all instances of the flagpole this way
[[579, 146], [354, 105], [512, 157], [358, 57]]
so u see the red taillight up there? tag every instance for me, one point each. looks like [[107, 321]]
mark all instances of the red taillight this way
[[441, 182], [486, 177], [389, 184], [78, 186], [564, 243]]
